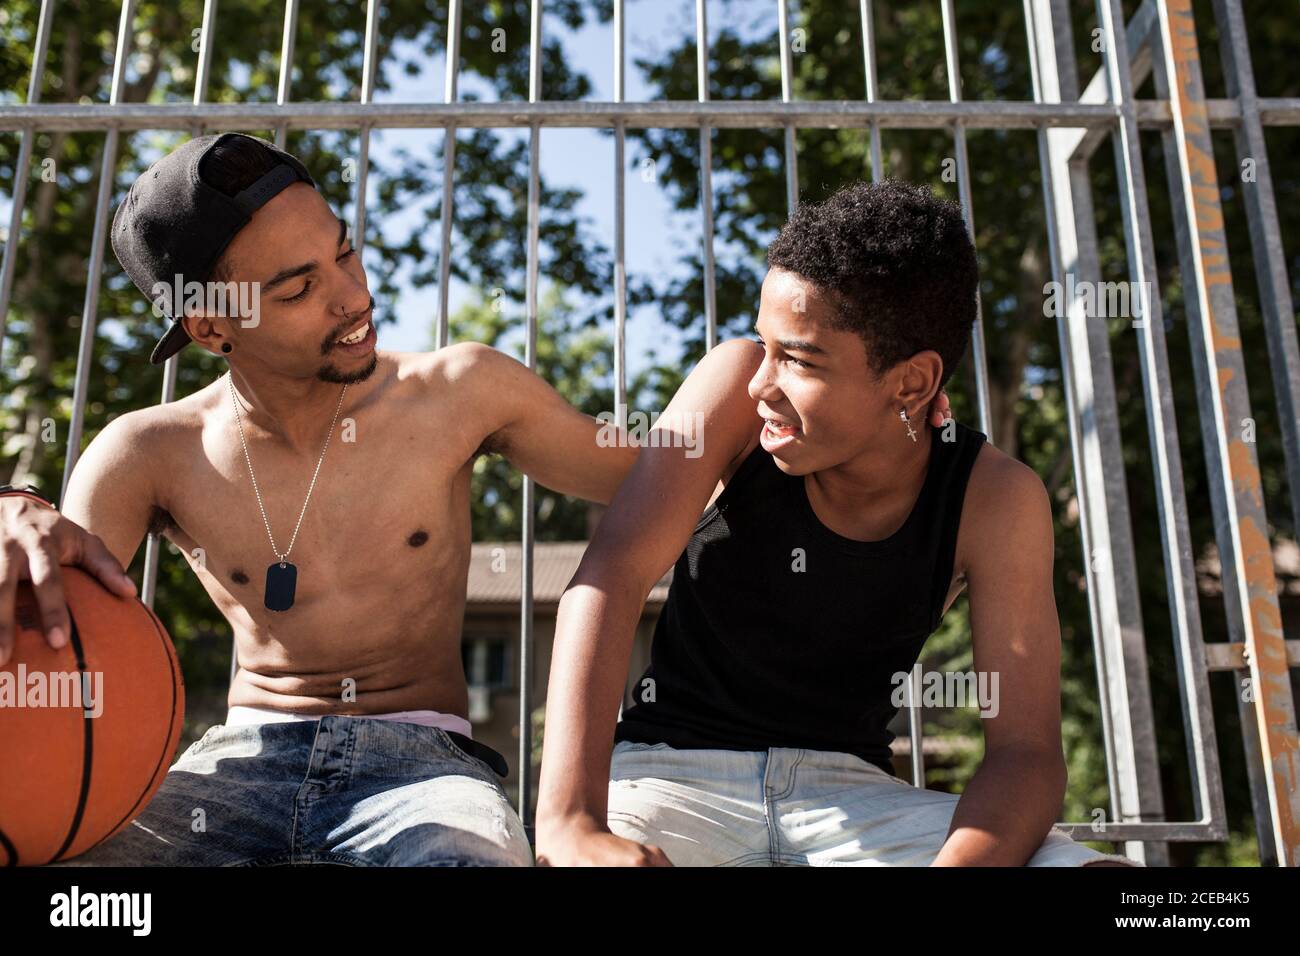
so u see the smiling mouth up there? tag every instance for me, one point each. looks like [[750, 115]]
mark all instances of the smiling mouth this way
[[355, 336]]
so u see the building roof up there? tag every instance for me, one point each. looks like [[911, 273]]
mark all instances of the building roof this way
[[495, 572]]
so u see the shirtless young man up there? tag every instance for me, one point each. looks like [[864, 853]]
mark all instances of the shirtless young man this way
[[381, 556], [818, 541]]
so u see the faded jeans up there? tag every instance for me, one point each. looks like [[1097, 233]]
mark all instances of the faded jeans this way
[[343, 790], [788, 807]]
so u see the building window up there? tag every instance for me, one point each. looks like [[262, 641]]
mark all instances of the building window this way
[[486, 670]]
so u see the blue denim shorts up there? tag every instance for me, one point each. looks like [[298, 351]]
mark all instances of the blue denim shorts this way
[[343, 790], [789, 807]]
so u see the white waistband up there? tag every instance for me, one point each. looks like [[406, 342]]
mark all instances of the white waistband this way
[[239, 716]]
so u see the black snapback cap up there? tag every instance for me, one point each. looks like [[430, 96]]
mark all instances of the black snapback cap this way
[[173, 223]]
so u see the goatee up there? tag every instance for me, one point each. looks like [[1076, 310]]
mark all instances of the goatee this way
[[331, 374]]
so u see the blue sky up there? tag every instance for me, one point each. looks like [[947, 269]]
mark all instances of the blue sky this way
[[656, 235], [582, 158]]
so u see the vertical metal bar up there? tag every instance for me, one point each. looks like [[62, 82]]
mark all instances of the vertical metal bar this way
[[706, 175], [1069, 385], [205, 58], [1241, 525], [90, 308], [1110, 565], [979, 354], [1176, 546], [978, 349], [530, 359], [1278, 311], [22, 168], [1132, 770], [791, 156], [367, 92], [620, 267], [443, 325], [916, 733], [869, 63], [1187, 264], [1265, 238], [286, 65], [153, 542]]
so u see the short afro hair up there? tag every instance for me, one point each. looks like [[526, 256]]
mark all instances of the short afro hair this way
[[896, 263]]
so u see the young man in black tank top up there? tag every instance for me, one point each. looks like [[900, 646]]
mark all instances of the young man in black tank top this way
[[837, 529]]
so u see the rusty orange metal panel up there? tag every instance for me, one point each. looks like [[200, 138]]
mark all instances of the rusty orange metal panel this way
[[1248, 564]]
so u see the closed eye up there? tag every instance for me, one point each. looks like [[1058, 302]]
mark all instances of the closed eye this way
[[307, 288]]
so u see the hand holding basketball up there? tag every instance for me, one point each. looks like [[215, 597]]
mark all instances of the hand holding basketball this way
[[34, 541], [87, 730]]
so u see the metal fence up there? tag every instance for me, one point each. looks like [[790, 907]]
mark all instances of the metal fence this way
[[1159, 40]]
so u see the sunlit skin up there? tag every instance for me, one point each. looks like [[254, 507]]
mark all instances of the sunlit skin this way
[[383, 550], [822, 414]]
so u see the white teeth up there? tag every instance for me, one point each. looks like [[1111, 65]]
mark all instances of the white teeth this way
[[356, 336]]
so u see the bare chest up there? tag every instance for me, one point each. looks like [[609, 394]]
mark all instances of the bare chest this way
[[386, 518]]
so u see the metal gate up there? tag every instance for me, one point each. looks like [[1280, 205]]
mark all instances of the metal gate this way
[[1071, 124]]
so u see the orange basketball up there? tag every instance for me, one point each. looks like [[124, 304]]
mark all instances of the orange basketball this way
[[87, 731]]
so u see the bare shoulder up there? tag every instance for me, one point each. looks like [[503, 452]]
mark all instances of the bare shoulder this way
[[468, 382], [1006, 511], [122, 474], [462, 363], [1003, 486], [727, 370], [469, 376], [732, 358], [148, 434]]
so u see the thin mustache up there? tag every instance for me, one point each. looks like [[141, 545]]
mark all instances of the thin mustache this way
[[328, 344]]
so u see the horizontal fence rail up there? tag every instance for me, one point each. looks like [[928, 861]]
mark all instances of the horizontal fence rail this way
[[842, 114], [1070, 121]]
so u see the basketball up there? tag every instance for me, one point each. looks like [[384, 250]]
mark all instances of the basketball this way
[[87, 731]]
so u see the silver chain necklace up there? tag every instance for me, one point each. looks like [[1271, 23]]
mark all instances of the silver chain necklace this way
[[281, 577]]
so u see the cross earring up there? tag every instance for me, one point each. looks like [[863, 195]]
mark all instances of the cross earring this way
[[902, 413]]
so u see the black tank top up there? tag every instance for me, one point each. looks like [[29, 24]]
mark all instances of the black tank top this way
[[778, 632]]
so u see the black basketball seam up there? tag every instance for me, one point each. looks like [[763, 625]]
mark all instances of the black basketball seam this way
[[11, 851], [167, 744], [87, 751]]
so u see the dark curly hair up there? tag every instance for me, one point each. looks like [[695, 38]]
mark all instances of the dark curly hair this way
[[896, 263]]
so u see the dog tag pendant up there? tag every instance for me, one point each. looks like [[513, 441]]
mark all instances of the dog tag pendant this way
[[281, 582]]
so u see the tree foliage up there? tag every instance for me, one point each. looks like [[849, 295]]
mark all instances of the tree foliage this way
[[1027, 412]]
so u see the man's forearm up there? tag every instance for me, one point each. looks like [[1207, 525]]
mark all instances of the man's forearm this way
[[593, 640], [988, 827]]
